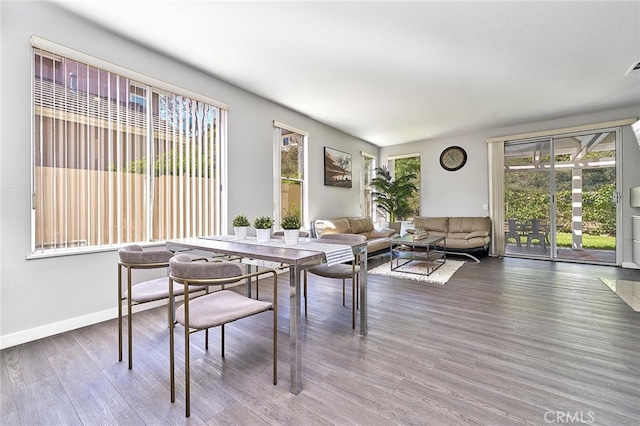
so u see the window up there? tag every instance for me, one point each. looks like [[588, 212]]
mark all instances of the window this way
[[119, 161], [368, 173], [403, 166], [291, 153]]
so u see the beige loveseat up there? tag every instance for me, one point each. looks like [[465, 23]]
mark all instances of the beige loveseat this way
[[377, 240], [468, 236]]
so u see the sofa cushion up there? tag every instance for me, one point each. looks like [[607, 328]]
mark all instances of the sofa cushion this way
[[332, 226], [464, 244], [469, 224], [378, 244], [476, 234], [380, 233], [439, 225], [360, 225]]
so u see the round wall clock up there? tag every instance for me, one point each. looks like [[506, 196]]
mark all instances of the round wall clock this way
[[453, 158]]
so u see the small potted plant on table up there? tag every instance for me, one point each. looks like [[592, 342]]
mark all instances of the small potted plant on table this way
[[241, 226], [291, 225], [263, 226]]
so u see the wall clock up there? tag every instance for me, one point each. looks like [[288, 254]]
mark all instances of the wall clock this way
[[453, 158]]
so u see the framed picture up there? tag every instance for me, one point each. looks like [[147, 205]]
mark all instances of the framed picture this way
[[337, 168]]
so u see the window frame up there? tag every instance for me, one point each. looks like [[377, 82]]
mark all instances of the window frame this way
[[277, 173], [152, 86]]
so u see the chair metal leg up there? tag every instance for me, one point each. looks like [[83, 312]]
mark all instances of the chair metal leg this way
[[119, 312], [171, 343], [129, 319], [187, 371], [222, 340], [343, 287]]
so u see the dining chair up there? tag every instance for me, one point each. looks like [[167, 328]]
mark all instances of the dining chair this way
[[512, 233], [213, 309], [537, 233], [134, 257], [339, 271]]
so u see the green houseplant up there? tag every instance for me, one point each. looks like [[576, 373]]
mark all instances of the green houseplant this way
[[291, 218], [263, 225], [291, 222], [241, 226], [241, 220], [391, 195]]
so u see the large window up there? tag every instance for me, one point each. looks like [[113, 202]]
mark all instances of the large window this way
[[403, 166], [290, 148], [116, 160]]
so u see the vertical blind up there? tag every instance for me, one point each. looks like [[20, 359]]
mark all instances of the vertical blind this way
[[117, 161]]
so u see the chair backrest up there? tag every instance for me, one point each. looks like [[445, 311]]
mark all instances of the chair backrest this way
[[184, 268], [535, 226], [513, 226], [134, 255]]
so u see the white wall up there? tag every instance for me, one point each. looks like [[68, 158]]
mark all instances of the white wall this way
[[45, 296], [465, 192]]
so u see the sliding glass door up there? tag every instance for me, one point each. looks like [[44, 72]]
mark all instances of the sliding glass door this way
[[527, 199], [586, 197], [560, 197]]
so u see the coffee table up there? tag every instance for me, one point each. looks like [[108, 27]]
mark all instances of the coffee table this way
[[425, 250]]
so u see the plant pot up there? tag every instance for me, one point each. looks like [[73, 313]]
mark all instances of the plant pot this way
[[263, 235], [241, 231], [291, 236]]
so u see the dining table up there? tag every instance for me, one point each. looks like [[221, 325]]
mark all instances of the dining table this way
[[297, 257]]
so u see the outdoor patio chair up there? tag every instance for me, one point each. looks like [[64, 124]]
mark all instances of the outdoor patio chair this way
[[513, 232], [537, 233]]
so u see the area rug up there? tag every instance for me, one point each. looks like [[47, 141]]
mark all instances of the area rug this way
[[439, 276]]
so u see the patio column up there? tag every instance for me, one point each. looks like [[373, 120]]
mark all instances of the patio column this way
[[576, 208]]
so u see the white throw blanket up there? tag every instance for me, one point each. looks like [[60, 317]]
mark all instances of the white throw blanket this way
[[334, 253]]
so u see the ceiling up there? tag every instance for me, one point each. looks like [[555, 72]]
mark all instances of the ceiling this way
[[395, 72]]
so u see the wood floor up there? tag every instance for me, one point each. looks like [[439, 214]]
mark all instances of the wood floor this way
[[505, 342]]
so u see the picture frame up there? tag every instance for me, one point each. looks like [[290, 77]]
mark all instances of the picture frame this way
[[337, 168]]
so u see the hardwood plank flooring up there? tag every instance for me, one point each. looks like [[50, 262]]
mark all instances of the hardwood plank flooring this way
[[505, 342]]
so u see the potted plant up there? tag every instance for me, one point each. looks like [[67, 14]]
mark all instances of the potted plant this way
[[392, 195], [291, 224], [241, 226], [263, 226]]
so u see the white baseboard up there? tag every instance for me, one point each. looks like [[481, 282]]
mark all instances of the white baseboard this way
[[41, 332], [630, 265]]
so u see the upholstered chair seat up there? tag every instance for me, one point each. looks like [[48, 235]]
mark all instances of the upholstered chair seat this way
[[133, 257], [340, 271], [213, 309]]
